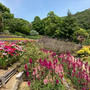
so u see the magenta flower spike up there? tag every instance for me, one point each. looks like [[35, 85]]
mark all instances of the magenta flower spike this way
[[29, 83], [30, 60], [26, 67], [57, 81], [27, 73]]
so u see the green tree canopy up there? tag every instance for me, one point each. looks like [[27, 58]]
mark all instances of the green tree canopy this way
[[52, 23], [1, 23], [38, 25], [18, 25], [69, 26]]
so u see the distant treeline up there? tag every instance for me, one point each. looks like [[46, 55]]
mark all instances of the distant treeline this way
[[68, 27]]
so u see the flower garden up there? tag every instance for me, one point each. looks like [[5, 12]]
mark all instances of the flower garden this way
[[45, 69], [9, 53]]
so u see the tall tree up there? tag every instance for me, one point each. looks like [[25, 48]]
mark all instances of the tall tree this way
[[69, 26], [38, 25], [52, 24]]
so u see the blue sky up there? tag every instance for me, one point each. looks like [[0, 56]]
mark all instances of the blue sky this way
[[28, 9]]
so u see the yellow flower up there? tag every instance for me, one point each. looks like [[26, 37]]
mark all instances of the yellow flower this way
[[84, 51]]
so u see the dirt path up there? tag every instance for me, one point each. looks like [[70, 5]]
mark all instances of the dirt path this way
[[24, 86], [68, 84], [10, 83], [3, 71]]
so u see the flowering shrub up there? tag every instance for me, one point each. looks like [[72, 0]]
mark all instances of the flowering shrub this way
[[85, 51], [45, 74], [9, 53], [77, 71]]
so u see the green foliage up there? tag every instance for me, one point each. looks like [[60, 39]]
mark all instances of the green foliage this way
[[83, 19], [52, 23], [18, 25], [1, 23], [38, 25], [34, 33], [81, 32], [7, 15], [69, 26], [87, 42], [6, 32], [19, 34], [4, 8], [33, 37], [13, 24], [32, 51], [80, 35]]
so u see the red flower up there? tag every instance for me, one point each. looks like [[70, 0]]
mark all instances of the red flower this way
[[30, 60], [57, 81], [27, 73], [29, 83], [25, 67]]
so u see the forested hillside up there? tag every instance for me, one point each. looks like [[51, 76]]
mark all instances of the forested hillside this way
[[10, 24], [68, 27], [83, 18]]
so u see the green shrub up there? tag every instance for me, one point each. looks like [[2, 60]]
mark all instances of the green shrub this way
[[87, 42], [34, 33], [80, 35], [20, 34], [32, 51], [6, 32]]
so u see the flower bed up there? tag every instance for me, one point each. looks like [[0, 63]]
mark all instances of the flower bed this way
[[77, 71], [48, 73], [9, 53], [45, 74]]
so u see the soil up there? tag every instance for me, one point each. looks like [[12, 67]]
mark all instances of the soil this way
[[10, 83], [3, 71], [24, 86]]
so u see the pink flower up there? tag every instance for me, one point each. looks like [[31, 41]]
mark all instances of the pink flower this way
[[45, 81], [55, 61], [34, 71], [39, 68], [29, 83], [37, 76], [5, 54], [57, 81]]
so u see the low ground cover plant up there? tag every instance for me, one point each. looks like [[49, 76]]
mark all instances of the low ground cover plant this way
[[58, 46]]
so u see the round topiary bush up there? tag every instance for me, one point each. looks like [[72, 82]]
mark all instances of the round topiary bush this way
[[6, 32], [34, 33]]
